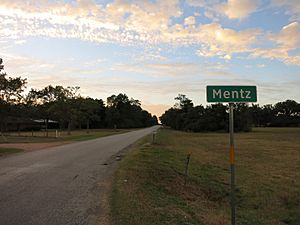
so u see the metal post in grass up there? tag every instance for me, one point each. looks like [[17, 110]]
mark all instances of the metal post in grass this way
[[187, 167], [232, 166], [231, 94], [153, 137]]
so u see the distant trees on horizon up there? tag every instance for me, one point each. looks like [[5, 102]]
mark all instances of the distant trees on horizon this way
[[67, 107], [187, 117], [70, 110]]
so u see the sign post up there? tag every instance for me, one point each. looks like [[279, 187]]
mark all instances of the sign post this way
[[231, 94], [232, 166]]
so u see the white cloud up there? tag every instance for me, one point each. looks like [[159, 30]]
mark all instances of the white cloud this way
[[288, 37], [20, 42], [196, 3], [148, 23], [210, 14], [222, 42], [135, 22], [122, 22], [237, 9], [284, 41], [174, 69], [119, 21], [190, 21], [292, 7]]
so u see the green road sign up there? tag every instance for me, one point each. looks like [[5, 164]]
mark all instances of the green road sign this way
[[231, 94]]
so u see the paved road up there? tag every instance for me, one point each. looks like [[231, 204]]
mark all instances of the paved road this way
[[60, 185]]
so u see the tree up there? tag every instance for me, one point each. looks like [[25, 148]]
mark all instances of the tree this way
[[256, 114], [184, 116], [215, 117], [90, 110], [123, 112], [287, 113], [67, 106], [242, 117], [10, 94], [55, 103], [184, 103], [10, 88], [64, 108]]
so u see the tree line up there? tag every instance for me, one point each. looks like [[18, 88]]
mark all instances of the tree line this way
[[185, 116], [65, 107]]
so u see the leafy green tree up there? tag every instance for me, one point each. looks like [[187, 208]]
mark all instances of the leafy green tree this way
[[123, 112], [287, 113], [267, 115], [242, 117], [256, 114], [10, 94], [64, 108], [54, 103], [184, 103], [169, 118], [184, 116], [90, 110], [68, 107], [216, 117]]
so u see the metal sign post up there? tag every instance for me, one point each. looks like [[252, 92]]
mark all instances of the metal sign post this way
[[231, 94], [232, 166]]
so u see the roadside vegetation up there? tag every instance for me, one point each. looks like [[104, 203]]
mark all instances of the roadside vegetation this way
[[58, 107], [187, 117], [149, 188], [62, 136], [22, 141], [8, 151]]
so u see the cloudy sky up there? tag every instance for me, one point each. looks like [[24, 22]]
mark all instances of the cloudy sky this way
[[153, 50]]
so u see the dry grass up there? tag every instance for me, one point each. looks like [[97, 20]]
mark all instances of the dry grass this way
[[149, 188]]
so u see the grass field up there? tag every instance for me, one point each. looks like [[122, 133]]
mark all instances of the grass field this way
[[149, 188], [8, 151], [40, 136]]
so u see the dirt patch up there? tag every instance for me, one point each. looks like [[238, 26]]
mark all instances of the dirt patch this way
[[27, 147]]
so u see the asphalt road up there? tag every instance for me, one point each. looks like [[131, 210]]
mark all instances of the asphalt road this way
[[60, 185]]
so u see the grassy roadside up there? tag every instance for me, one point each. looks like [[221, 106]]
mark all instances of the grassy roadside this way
[[15, 143], [8, 151], [149, 186], [78, 135]]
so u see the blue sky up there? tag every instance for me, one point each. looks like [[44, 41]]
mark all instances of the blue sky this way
[[153, 50]]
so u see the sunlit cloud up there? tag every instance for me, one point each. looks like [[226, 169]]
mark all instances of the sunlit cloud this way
[[237, 9], [190, 21], [148, 24], [291, 7], [286, 40], [288, 37], [153, 50], [222, 42], [20, 64], [196, 3], [175, 69], [121, 22]]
